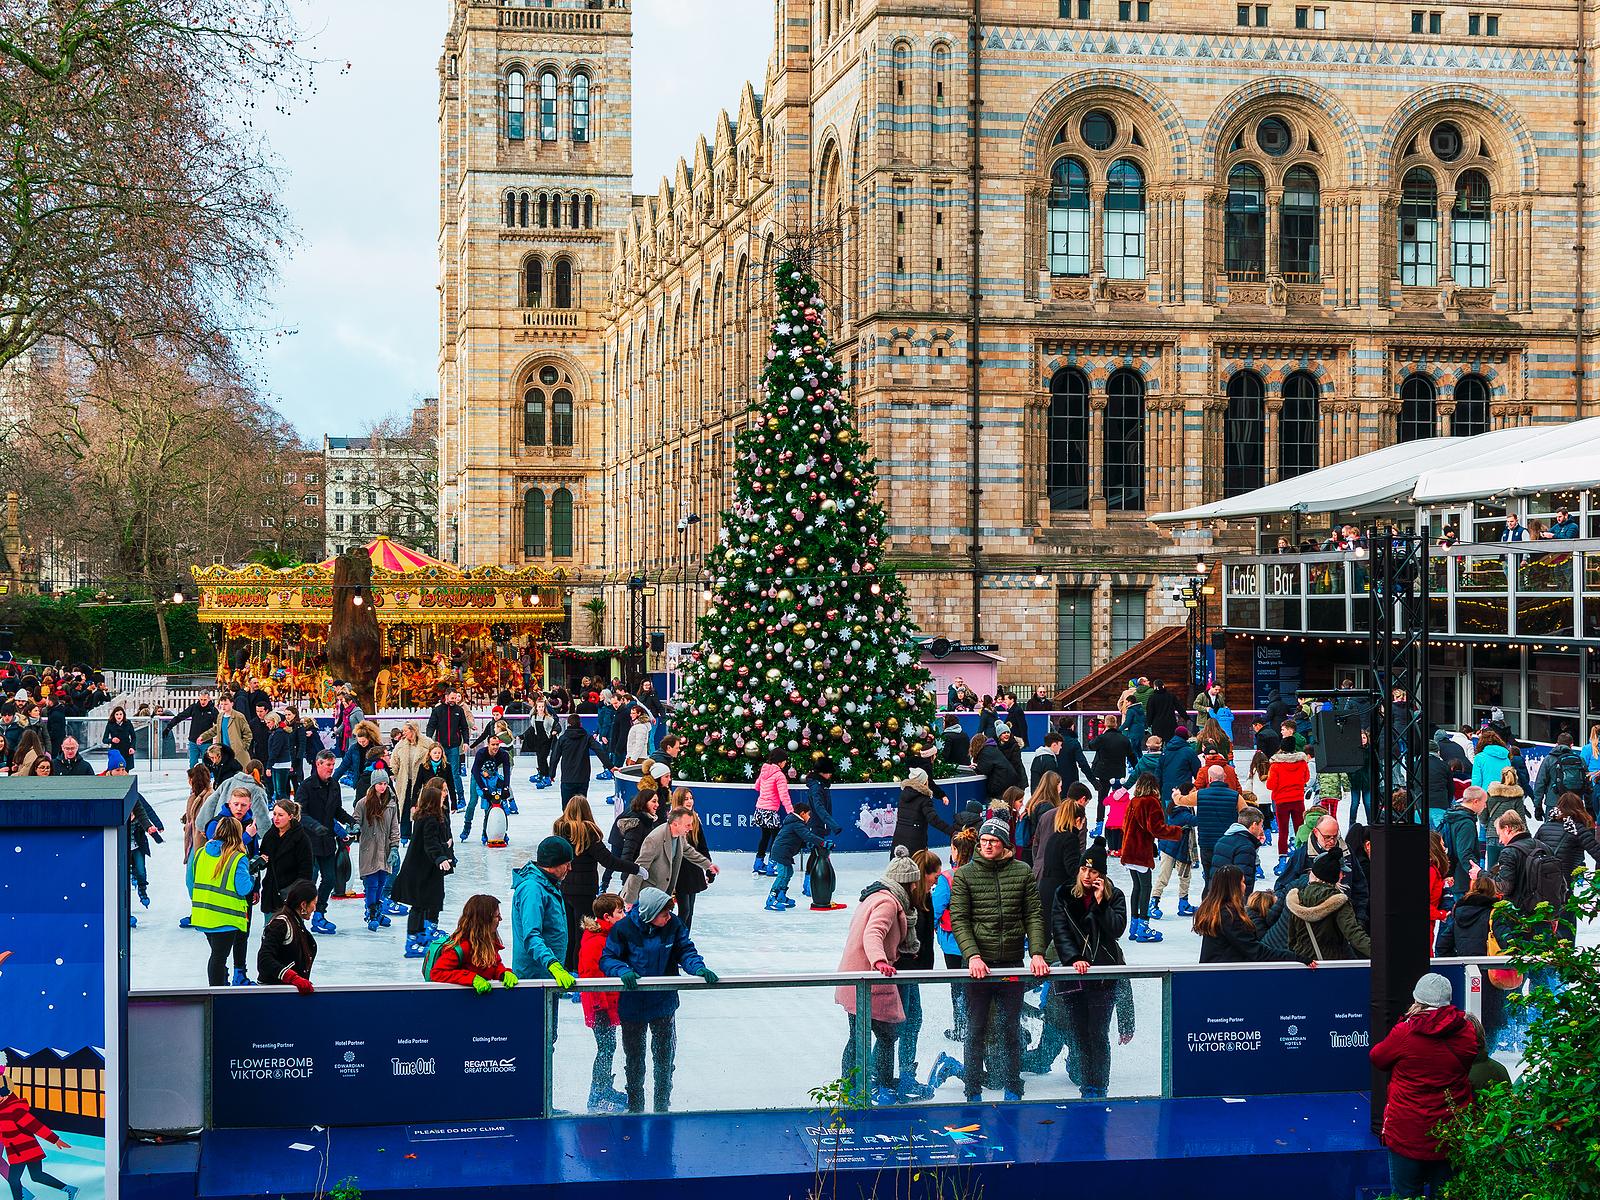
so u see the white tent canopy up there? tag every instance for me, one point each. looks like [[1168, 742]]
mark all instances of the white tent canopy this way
[[1388, 477], [1559, 458]]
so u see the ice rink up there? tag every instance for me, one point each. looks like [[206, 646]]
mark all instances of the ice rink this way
[[736, 1046]]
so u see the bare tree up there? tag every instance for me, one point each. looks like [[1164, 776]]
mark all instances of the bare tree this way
[[406, 457], [137, 200]]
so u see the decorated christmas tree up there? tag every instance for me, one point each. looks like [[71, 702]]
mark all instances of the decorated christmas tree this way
[[808, 645]]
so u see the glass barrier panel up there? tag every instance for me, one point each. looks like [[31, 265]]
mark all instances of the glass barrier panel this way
[[1438, 573], [1326, 616], [1325, 578], [1281, 579], [1438, 614], [1544, 572], [1243, 579], [1360, 614], [1481, 573], [1283, 614]]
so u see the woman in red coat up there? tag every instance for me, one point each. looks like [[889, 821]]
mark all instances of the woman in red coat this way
[[1428, 1056], [20, 1132], [1143, 823], [1287, 777]]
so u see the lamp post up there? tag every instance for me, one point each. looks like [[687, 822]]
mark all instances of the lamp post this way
[[685, 523], [1193, 597]]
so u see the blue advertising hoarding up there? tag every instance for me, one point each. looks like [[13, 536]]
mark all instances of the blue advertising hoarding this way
[[1292, 1027], [376, 1058], [1279, 668]]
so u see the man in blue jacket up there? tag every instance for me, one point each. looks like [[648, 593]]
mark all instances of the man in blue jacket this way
[[538, 915], [1216, 808], [1180, 763], [1241, 845], [650, 942]]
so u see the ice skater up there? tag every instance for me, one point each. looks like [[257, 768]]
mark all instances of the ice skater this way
[[20, 1134]]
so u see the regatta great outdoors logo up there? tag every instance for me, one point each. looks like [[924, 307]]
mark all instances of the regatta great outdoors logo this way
[[412, 1066], [489, 1066]]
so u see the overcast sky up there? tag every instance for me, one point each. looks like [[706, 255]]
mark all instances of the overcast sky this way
[[360, 166]]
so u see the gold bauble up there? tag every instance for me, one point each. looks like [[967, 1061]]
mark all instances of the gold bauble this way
[[800, 628], [836, 731], [802, 563], [772, 423], [894, 722], [844, 434]]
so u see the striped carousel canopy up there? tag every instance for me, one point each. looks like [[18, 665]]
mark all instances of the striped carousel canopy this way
[[390, 555]]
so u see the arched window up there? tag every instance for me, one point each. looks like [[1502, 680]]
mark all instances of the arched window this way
[[1069, 218], [1419, 229], [522, 219], [516, 105], [1297, 426], [1300, 227], [547, 107], [588, 212], [1069, 441], [544, 210], [533, 414], [511, 209], [563, 286], [1124, 220], [533, 524], [1124, 442], [1416, 409], [555, 211], [533, 283], [561, 418], [1244, 442], [561, 523], [1470, 231], [580, 107], [1244, 224], [1471, 415], [572, 211]]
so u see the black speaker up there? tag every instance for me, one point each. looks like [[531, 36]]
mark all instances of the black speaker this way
[[1219, 640], [658, 642], [1338, 741]]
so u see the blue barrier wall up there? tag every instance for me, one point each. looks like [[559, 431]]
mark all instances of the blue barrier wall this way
[[865, 810]]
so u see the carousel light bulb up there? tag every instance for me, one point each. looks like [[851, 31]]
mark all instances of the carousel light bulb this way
[[356, 600]]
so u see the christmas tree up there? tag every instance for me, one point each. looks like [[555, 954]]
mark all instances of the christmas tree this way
[[807, 645]]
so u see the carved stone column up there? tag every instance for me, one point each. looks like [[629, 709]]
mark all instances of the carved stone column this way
[[1097, 459], [1274, 415]]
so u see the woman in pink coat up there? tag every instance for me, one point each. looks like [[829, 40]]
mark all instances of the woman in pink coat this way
[[772, 801], [884, 928]]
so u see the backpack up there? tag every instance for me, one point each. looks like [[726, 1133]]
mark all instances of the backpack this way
[[1542, 880], [435, 948], [1571, 774]]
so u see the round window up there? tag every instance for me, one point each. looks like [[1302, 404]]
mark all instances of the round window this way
[[1273, 135], [1445, 141], [1098, 129], [549, 375]]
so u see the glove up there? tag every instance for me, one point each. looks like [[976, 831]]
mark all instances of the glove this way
[[561, 975], [630, 979], [828, 845], [480, 984], [300, 982], [707, 974], [509, 980]]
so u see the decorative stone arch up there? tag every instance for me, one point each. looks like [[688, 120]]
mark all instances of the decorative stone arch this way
[[1168, 141], [525, 376], [1486, 112], [1098, 366], [1274, 372], [1317, 105]]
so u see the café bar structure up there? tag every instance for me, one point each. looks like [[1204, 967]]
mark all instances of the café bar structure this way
[[1513, 624]]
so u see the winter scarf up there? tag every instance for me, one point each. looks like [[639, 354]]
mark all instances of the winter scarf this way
[[909, 945]]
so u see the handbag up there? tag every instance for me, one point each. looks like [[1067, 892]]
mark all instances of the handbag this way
[[1504, 978]]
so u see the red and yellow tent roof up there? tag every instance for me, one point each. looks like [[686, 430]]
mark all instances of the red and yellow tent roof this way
[[389, 555]]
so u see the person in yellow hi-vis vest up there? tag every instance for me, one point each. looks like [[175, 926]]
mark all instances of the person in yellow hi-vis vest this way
[[220, 885]]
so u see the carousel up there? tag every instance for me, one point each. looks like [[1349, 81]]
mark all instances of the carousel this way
[[479, 628]]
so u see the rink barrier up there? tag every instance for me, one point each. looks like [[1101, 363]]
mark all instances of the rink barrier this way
[[350, 1056]]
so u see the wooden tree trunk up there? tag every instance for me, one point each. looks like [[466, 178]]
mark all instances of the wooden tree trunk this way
[[354, 650]]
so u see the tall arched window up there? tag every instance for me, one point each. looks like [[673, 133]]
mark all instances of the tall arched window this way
[[511, 209], [1419, 229], [1124, 442], [941, 101], [1297, 426], [1069, 218], [533, 542], [1300, 227], [1244, 443], [580, 107], [572, 211], [522, 205], [516, 105], [561, 523], [1471, 414], [1068, 480], [533, 416], [1244, 224], [555, 212], [544, 210], [1124, 220], [563, 285], [1470, 231], [547, 107], [1416, 409], [588, 212], [533, 283], [561, 418]]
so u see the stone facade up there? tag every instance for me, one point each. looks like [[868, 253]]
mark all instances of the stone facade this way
[[1200, 250]]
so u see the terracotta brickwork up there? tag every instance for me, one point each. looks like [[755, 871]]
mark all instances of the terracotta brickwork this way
[[1169, 212]]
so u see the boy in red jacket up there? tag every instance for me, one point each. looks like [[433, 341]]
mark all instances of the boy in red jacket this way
[[600, 1008], [20, 1132]]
